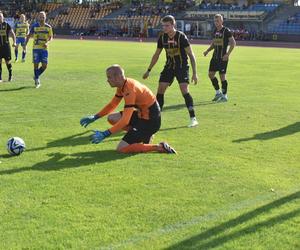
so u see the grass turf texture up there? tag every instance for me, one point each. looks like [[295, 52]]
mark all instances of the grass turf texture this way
[[234, 184]]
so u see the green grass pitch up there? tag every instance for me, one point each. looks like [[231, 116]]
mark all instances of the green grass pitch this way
[[234, 185]]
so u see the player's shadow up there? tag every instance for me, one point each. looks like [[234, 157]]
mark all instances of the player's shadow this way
[[73, 140], [281, 132], [60, 161], [16, 89], [172, 128], [181, 106], [217, 236]]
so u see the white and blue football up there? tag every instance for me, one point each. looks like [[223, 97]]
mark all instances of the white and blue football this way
[[15, 146]]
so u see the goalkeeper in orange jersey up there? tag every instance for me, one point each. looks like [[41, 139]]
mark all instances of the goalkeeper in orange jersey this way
[[141, 116]]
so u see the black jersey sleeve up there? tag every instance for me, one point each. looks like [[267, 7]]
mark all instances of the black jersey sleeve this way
[[228, 33], [184, 41], [160, 42]]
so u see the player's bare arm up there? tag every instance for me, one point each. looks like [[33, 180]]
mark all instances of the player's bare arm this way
[[154, 60], [27, 38], [13, 36], [49, 40], [210, 48], [191, 55], [232, 44]]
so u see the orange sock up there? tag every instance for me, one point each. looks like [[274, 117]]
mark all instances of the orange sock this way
[[140, 148]]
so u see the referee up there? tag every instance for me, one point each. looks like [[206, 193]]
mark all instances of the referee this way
[[5, 52]]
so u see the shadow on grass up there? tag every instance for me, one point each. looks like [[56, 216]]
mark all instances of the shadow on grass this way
[[73, 140], [214, 237], [60, 161], [172, 128], [16, 89], [181, 106], [284, 131]]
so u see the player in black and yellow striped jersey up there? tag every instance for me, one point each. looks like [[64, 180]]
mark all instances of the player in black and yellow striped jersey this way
[[178, 50], [5, 52], [22, 30], [222, 37]]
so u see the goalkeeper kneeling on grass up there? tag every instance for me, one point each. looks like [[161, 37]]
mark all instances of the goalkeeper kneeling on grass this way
[[140, 118]]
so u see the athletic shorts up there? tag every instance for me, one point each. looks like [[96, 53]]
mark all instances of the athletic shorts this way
[[40, 56], [168, 74], [141, 130], [5, 52], [20, 40], [218, 65]]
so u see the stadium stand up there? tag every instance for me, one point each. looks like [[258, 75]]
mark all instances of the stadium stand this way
[[79, 16], [290, 26], [248, 20]]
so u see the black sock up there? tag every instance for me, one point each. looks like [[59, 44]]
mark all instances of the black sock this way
[[215, 83], [9, 68], [160, 100], [0, 71], [224, 87], [189, 102]]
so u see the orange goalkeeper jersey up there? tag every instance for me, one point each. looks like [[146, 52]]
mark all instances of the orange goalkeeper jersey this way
[[136, 96]]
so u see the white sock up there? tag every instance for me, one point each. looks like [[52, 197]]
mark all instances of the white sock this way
[[218, 92]]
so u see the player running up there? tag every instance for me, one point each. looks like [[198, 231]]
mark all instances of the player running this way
[[222, 38], [22, 30], [140, 117], [5, 51], [42, 34], [178, 49]]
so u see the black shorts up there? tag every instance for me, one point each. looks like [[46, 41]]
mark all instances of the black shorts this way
[[169, 73], [141, 130], [218, 65], [5, 52]]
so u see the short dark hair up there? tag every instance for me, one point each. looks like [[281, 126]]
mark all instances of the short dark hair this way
[[168, 18]]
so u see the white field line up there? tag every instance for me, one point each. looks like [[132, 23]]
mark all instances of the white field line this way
[[212, 216]]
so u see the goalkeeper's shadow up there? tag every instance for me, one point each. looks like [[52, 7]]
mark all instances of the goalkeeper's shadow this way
[[59, 161], [74, 140]]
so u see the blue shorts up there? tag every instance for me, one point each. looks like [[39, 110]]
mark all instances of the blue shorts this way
[[40, 56], [20, 40]]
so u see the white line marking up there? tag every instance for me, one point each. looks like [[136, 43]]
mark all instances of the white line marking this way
[[172, 228]]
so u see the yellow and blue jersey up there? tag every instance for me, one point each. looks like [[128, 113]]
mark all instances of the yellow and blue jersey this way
[[21, 29], [41, 35]]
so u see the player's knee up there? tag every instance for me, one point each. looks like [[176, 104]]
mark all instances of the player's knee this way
[[211, 75], [113, 118], [161, 90], [121, 149], [222, 77], [184, 89], [162, 87], [110, 119]]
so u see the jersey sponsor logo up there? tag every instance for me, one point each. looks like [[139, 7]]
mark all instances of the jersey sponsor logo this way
[[2, 32], [173, 52], [218, 42]]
